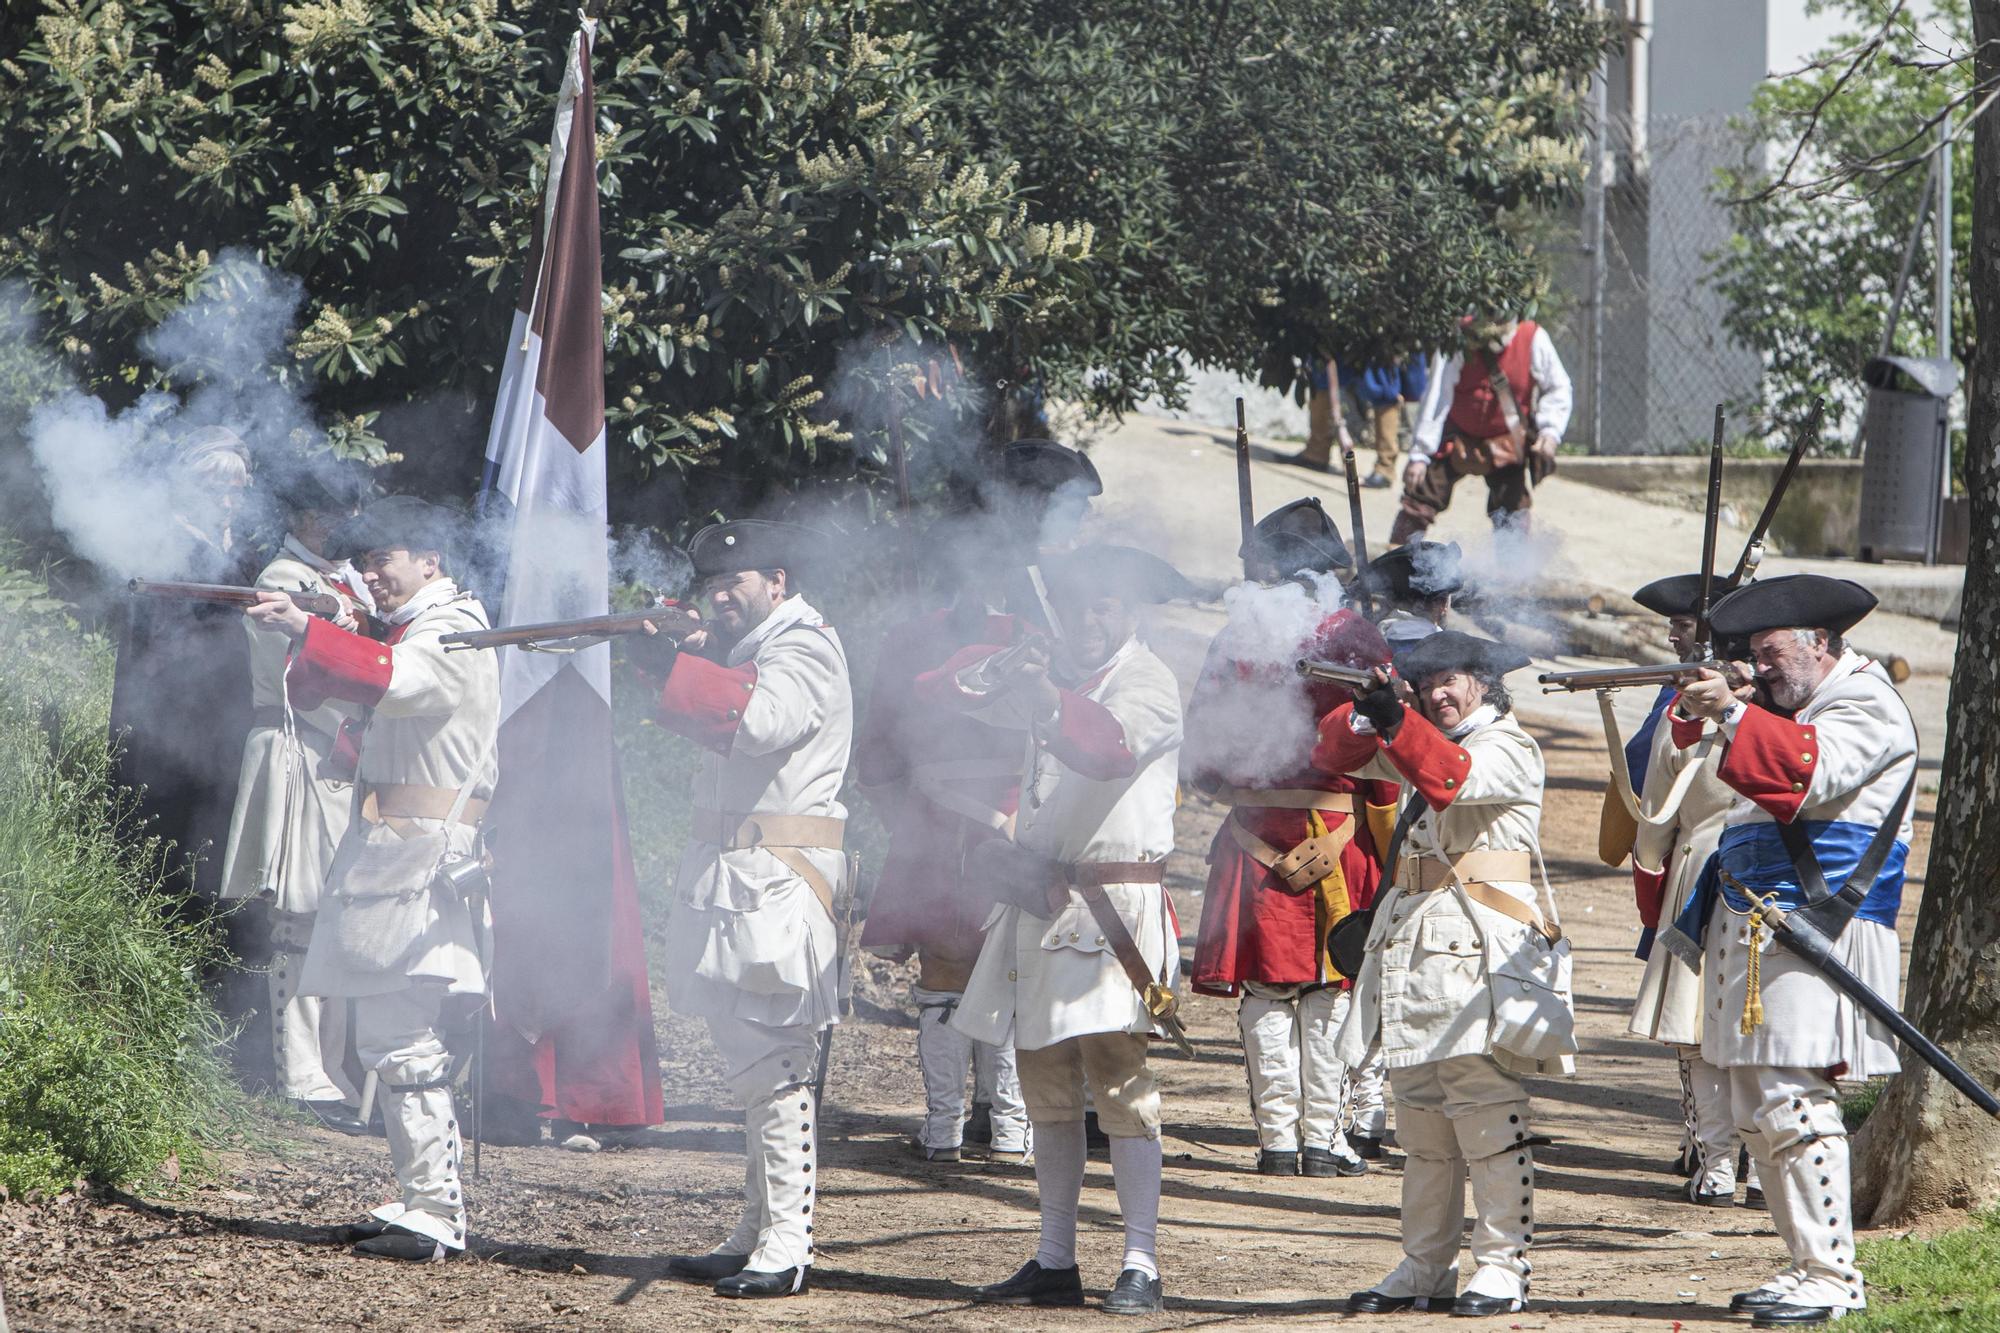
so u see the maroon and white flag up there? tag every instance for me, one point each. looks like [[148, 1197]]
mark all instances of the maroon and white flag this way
[[573, 1013]]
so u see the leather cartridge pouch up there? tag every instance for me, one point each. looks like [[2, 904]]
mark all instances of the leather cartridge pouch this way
[[1309, 862]]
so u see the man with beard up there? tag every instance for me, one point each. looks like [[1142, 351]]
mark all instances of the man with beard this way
[[393, 934], [764, 692], [1079, 962], [1680, 821], [1464, 982], [1297, 851], [295, 796], [1822, 756]]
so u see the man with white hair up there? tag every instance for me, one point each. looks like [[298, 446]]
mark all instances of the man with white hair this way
[[1822, 756]]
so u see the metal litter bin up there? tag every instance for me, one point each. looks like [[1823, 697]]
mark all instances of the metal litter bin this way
[[1905, 457]]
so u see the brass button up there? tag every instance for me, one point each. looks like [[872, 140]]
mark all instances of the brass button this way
[[1451, 782], [1013, 976], [1798, 786], [1100, 939], [381, 661], [1073, 937], [732, 715], [1805, 758]]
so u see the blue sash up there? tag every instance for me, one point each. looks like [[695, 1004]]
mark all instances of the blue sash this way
[[1754, 855]]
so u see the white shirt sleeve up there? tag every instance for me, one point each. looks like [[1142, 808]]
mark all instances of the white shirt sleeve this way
[[1553, 399], [1428, 433]]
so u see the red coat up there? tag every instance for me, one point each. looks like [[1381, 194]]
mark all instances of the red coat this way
[[1253, 928], [912, 754], [1475, 408]]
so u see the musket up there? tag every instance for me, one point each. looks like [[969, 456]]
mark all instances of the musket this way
[[1711, 520], [1620, 678], [670, 618], [1246, 513], [1753, 550], [1332, 673], [1353, 502], [324, 605]]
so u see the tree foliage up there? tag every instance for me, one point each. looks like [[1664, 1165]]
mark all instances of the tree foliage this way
[[1810, 273]]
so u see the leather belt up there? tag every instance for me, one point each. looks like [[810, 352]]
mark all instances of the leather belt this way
[[389, 802], [1287, 798], [1476, 871], [783, 836], [1096, 874], [1306, 864]]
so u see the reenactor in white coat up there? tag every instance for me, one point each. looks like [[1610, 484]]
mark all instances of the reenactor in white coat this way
[[293, 801], [1464, 984], [752, 949], [1822, 756], [1082, 953], [1681, 805], [399, 930]]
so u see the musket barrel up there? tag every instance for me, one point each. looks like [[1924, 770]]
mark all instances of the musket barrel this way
[[1354, 678], [1618, 678]]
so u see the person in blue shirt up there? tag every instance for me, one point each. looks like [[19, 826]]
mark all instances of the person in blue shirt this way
[[1379, 392]]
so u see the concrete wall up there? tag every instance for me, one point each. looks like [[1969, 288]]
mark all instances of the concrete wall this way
[[1818, 517]]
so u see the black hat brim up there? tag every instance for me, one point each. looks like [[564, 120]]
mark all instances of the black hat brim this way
[[1675, 595], [1452, 650], [1792, 601]]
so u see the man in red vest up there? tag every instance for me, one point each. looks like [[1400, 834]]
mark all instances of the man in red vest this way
[[1496, 410]]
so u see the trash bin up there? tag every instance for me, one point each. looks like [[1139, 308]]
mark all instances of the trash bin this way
[[1905, 456]]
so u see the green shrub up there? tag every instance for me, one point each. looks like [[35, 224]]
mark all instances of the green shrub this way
[[108, 1049], [1930, 1286]]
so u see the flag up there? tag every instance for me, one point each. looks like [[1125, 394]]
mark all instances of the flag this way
[[569, 968]]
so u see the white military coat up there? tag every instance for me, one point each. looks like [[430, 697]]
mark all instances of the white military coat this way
[[749, 939], [1425, 992], [434, 721], [1668, 1007], [1844, 758], [1045, 981], [291, 810]]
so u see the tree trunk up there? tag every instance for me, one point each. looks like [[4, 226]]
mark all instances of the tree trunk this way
[[1925, 1147]]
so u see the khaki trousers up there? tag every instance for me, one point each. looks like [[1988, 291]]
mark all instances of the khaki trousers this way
[[1114, 1063]]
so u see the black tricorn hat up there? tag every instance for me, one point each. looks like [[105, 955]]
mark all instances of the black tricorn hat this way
[[1297, 537], [1452, 650], [1416, 572], [327, 484], [393, 521], [752, 543], [1676, 595], [1804, 601], [1126, 571], [1045, 466]]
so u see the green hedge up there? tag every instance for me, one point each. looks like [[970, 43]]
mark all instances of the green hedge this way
[[109, 1053]]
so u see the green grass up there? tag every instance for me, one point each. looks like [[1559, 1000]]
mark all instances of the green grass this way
[[109, 1064], [1859, 1104], [1943, 1285]]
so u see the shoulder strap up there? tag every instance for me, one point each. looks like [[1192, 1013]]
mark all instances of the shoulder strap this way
[[1408, 816]]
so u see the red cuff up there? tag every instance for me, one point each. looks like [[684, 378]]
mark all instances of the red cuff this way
[[939, 686], [1434, 764], [1649, 890], [1090, 740], [1339, 749], [1687, 731], [704, 701], [1771, 761], [333, 663]]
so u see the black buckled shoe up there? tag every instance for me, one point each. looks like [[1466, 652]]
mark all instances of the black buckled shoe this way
[[1277, 1163], [1472, 1305], [1700, 1200], [1034, 1285], [1323, 1162], [1762, 1298], [334, 1115], [707, 1267], [408, 1246], [368, 1228], [749, 1285], [1753, 1197], [1134, 1293], [1793, 1316], [1368, 1147], [1374, 1302]]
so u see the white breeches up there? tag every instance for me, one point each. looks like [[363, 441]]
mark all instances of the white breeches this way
[[396, 1036], [1299, 1089], [945, 1056], [308, 1038]]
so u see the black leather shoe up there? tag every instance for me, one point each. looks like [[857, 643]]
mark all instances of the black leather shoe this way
[[395, 1243], [1714, 1200], [1133, 1293], [1473, 1305], [1791, 1316], [367, 1228], [748, 1285], [1034, 1285], [979, 1125], [334, 1115], [1761, 1299], [1324, 1162], [1366, 1146], [1753, 1197], [1277, 1163], [1374, 1302], [707, 1267]]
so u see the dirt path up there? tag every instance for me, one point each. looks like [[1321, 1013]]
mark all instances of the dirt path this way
[[564, 1240]]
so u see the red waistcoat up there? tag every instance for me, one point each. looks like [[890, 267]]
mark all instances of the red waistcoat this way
[[1475, 408]]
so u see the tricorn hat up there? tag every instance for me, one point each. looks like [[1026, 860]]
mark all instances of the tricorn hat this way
[[1045, 466], [393, 521], [1804, 601], [325, 483], [1416, 572], [1298, 537], [1453, 650], [1676, 595], [751, 543], [1126, 571]]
